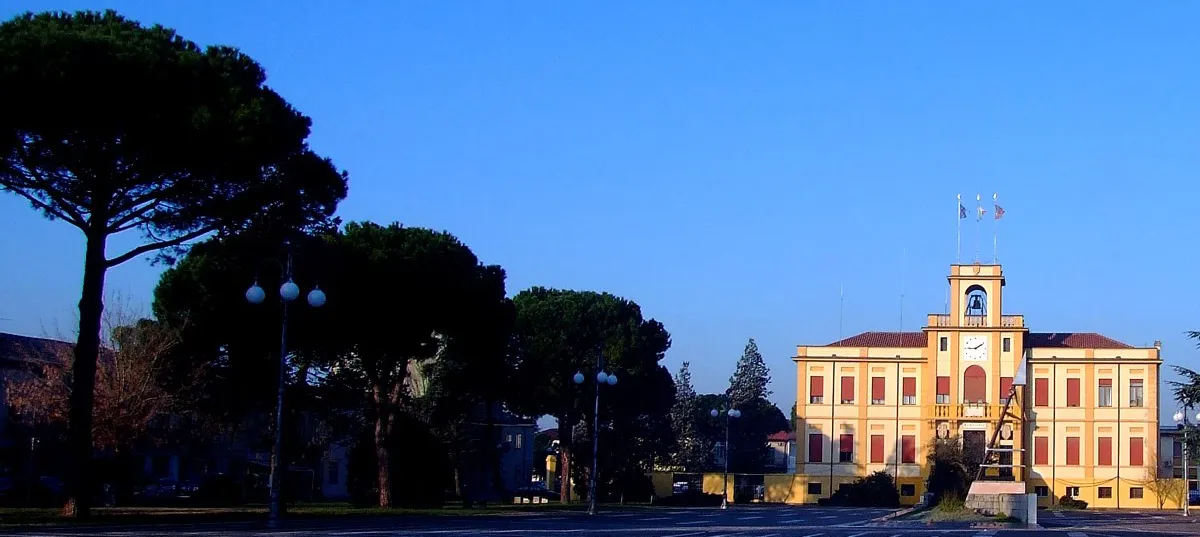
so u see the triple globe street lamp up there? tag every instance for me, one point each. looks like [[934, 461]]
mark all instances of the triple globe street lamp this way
[[288, 293], [1181, 418], [602, 377]]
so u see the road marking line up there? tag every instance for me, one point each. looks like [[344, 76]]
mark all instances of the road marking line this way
[[828, 517], [688, 534], [860, 534], [694, 522], [794, 521], [1076, 534], [815, 535], [656, 519], [753, 517], [768, 535]]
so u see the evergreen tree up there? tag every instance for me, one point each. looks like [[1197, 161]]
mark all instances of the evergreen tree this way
[[750, 379], [693, 449]]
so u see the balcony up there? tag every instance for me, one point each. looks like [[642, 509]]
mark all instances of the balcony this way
[[1006, 321], [969, 412]]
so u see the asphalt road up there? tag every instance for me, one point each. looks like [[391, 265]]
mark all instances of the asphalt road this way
[[775, 521]]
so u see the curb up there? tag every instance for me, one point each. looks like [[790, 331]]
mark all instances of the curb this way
[[892, 515]]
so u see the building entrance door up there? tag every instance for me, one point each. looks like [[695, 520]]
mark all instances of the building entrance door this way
[[974, 444]]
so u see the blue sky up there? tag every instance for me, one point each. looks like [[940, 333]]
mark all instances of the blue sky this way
[[729, 165]]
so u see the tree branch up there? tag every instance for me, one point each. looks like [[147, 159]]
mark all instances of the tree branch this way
[[158, 246], [50, 209]]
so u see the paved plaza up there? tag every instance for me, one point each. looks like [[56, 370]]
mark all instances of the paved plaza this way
[[775, 521]]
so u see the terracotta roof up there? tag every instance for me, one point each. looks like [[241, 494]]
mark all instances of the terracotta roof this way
[[781, 436], [883, 339], [1073, 340], [17, 349]]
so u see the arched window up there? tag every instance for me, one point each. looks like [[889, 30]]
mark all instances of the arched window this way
[[974, 385]]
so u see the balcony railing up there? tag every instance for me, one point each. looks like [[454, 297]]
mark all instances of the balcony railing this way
[[969, 411], [1006, 321]]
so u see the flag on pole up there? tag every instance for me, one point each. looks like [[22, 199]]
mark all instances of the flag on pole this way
[[962, 211], [999, 212], [980, 208]]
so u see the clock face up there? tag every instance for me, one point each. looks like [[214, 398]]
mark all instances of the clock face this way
[[975, 348]]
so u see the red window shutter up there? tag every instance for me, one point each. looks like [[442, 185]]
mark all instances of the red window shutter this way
[[877, 389], [1041, 392], [816, 386], [908, 448], [1072, 451], [1072, 392], [847, 388], [910, 386], [1041, 450], [814, 448], [1005, 387], [876, 448], [1104, 447], [943, 385], [846, 443], [1106, 382], [1135, 451]]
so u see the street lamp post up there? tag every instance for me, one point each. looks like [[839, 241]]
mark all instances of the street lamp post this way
[[1181, 418], [730, 413], [602, 377], [288, 292]]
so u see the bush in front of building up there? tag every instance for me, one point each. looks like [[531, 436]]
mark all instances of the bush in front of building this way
[[876, 490], [690, 498], [949, 473], [1067, 502]]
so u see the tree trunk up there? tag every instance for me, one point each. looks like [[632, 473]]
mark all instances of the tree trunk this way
[[383, 459], [87, 347]]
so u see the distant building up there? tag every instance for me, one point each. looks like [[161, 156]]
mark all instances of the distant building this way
[[1086, 426]]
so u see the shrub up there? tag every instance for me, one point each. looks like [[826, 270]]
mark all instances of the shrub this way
[[1067, 502], [875, 490], [691, 498], [949, 472]]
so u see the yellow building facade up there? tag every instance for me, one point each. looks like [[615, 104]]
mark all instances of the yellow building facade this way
[[1084, 423]]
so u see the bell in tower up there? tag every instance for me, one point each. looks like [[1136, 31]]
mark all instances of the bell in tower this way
[[977, 303]]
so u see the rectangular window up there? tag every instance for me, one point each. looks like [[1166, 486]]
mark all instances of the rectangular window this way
[[814, 447], [519, 440], [944, 344], [1007, 343], [814, 488], [816, 390], [908, 489], [1005, 389], [1135, 393], [1072, 451], [1073, 492], [1042, 491], [1135, 493], [847, 390], [878, 389], [876, 448], [1135, 451], [1104, 393], [1072, 392], [910, 391], [943, 390], [1104, 451], [908, 449], [1041, 392], [1104, 492], [846, 448], [1041, 450]]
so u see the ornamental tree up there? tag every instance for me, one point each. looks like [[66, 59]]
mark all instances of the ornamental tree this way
[[114, 127]]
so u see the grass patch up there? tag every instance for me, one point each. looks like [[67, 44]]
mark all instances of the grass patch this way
[[197, 515]]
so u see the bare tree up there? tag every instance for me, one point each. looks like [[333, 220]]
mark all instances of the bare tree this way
[[128, 394], [1163, 484]]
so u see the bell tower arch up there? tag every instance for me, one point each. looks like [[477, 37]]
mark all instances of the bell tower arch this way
[[976, 293]]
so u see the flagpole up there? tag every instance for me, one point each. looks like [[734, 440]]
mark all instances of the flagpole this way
[[958, 220], [978, 222], [995, 228]]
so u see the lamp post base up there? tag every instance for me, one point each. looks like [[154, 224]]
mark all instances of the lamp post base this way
[[724, 503]]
